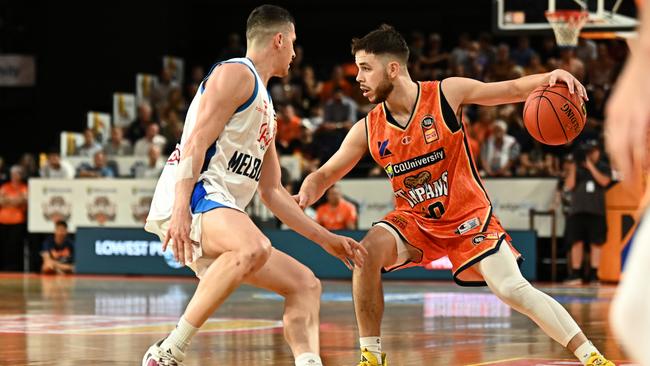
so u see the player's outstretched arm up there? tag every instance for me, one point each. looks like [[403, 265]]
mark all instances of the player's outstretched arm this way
[[459, 91], [627, 114], [229, 86], [346, 157], [280, 202]]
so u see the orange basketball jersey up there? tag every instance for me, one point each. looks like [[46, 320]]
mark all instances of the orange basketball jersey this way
[[429, 164]]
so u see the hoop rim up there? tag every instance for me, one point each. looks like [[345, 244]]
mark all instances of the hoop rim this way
[[565, 15]]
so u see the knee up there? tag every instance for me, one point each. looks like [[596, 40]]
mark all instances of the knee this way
[[255, 254], [512, 290], [306, 285], [377, 257]]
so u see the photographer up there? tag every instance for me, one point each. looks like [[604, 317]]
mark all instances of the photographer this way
[[587, 180]]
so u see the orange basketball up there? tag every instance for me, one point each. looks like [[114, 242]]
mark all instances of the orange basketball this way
[[553, 116]]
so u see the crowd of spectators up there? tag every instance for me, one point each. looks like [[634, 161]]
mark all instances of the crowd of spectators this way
[[315, 108]]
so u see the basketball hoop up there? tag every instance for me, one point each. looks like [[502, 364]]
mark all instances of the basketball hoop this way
[[567, 25]]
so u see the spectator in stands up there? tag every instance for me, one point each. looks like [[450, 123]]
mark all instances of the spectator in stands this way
[[160, 93], [601, 70], [586, 51], [90, 145], [196, 77], [587, 181], [153, 166], [309, 91], [13, 216], [435, 59], [28, 163], [502, 67], [569, 62], [175, 102], [173, 138], [549, 51], [459, 54], [499, 152], [337, 81], [117, 145], [535, 66], [58, 251], [138, 127], [523, 53], [56, 168], [289, 128], [487, 52], [99, 169], [284, 92], [151, 137], [337, 213], [234, 48], [339, 114], [3, 171]]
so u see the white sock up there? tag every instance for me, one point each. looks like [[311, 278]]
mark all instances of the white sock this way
[[308, 359], [372, 344], [584, 351], [181, 335]]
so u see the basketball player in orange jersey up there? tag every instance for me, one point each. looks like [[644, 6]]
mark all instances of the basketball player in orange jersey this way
[[626, 131], [415, 133]]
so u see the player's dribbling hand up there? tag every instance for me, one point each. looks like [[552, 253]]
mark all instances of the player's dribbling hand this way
[[346, 249], [571, 82], [179, 236]]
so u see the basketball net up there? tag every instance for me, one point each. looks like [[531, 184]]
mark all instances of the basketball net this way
[[567, 25]]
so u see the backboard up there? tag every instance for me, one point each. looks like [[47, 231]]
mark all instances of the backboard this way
[[527, 16]]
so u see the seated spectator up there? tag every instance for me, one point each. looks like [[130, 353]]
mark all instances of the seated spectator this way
[[337, 81], [160, 93], [117, 145], [339, 115], [3, 171], [151, 137], [137, 128], [569, 62], [499, 152], [603, 68], [336, 213], [56, 168], [197, 75], [99, 169], [535, 66], [90, 145], [502, 67], [58, 251], [13, 216], [153, 167], [289, 128], [523, 53], [28, 163]]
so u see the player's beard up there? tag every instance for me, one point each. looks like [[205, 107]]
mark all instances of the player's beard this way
[[383, 90]]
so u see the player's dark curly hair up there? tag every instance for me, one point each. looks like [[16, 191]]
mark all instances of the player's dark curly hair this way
[[383, 40]]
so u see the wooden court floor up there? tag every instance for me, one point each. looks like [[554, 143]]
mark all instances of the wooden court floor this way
[[49, 320]]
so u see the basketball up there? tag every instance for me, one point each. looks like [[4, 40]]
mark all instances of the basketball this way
[[553, 116]]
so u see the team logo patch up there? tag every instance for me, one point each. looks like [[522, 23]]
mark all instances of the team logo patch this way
[[478, 239], [383, 149], [399, 221], [429, 129], [389, 171]]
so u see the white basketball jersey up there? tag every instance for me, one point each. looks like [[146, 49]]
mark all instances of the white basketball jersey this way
[[233, 164]]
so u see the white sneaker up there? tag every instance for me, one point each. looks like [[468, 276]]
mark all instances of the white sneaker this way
[[157, 356]]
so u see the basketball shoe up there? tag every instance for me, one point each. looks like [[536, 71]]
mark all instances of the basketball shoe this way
[[369, 359], [157, 356], [598, 360]]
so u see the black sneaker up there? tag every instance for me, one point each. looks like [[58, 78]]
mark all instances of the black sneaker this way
[[573, 279]]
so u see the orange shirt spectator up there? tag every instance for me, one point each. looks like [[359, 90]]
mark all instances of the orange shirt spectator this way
[[337, 81], [13, 199], [337, 213], [289, 125]]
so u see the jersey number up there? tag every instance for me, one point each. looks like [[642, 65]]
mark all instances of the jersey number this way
[[436, 210]]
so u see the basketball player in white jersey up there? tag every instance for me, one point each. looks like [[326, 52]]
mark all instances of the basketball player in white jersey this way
[[626, 132], [228, 147]]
